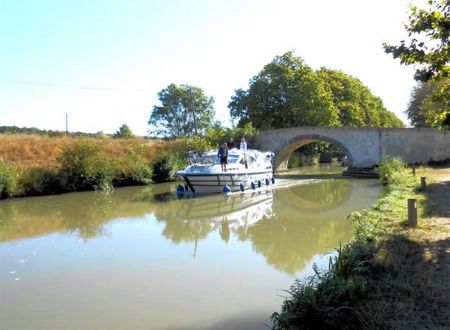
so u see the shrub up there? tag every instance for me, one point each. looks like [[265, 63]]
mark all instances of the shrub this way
[[38, 181], [391, 171], [324, 300], [85, 166], [133, 169], [8, 179], [165, 167]]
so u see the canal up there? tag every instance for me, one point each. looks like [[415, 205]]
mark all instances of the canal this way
[[141, 258]]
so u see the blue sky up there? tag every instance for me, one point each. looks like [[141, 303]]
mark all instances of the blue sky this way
[[103, 62]]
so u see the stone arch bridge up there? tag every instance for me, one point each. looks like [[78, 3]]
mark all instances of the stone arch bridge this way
[[364, 147]]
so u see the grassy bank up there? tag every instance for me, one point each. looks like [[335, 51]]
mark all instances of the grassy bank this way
[[391, 276], [39, 165]]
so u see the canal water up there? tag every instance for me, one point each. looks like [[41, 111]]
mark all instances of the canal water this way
[[141, 258]]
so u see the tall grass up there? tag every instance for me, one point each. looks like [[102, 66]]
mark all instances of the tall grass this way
[[39, 165]]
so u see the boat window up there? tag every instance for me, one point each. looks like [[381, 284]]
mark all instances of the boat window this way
[[232, 159]]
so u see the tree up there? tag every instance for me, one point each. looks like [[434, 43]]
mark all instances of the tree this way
[[288, 93], [423, 105], [285, 93], [429, 47], [185, 111], [357, 106], [124, 132]]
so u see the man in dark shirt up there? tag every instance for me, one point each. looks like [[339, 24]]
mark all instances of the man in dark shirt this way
[[223, 156], [231, 144]]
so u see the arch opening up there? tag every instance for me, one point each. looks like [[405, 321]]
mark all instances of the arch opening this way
[[284, 152]]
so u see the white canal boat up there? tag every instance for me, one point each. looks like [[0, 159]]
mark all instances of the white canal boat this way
[[246, 169]]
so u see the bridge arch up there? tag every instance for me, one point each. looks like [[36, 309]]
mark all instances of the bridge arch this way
[[284, 151]]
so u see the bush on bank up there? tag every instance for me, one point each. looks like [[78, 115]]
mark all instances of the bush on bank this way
[[100, 163], [8, 179], [327, 299]]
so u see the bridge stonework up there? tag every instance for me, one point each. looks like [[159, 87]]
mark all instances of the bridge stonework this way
[[364, 147]]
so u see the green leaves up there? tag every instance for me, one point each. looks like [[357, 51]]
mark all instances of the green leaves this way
[[429, 47], [124, 132], [185, 111], [288, 93]]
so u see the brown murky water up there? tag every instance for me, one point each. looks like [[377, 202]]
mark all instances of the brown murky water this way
[[140, 258]]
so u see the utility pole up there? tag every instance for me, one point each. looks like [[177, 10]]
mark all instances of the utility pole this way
[[67, 124]]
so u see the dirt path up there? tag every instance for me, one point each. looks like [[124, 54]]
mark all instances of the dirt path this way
[[434, 232]]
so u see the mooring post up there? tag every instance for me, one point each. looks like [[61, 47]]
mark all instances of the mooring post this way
[[412, 212], [423, 183]]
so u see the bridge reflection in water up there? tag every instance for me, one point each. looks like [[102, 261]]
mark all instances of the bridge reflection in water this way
[[288, 226]]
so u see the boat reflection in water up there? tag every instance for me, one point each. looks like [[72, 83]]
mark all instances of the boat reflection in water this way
[[288, 226]]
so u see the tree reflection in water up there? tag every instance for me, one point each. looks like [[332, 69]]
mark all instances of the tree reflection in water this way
[[288, 226]]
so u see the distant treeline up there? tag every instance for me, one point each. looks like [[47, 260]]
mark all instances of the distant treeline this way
[[51, 133]]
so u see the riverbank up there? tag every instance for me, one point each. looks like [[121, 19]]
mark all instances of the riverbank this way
[[33, 165], [391, 275]]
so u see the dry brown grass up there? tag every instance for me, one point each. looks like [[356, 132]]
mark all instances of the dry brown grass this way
[[26, 151]]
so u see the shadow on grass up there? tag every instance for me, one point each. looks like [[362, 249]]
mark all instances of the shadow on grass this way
[[437, 200], [408, 287]]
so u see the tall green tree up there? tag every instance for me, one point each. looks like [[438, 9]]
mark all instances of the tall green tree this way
[[428, 47], [285, 93], [124, 131], [184, 111], [423, 104], [288, 93], [357, 106]]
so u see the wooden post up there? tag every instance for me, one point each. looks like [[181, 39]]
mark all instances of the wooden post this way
[[412, 212], [414, 169], [423, 183]]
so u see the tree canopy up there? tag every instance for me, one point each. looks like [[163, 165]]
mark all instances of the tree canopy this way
[[288, 93], [124, 132], [184, 111], [429, 44], [423, 104], [429, 48]]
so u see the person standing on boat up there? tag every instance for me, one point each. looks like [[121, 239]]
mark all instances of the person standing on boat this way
[[243, 145], [231, 144], [223, 156]]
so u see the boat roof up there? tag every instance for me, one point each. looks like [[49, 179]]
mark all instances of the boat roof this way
[[252, 152]]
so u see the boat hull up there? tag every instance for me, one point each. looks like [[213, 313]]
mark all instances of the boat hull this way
[[215, 182]]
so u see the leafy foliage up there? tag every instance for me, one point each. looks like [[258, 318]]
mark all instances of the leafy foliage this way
[[7, 180], [356, 104], [288, 93], [38, 181], [134, 168], [429, 48], [124, 132], [84, 165], [285, 93], [424, 106], [165, 166], [185, 111], [324, 300]]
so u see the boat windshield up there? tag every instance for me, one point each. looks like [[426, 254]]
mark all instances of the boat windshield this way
[[209, 159]]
